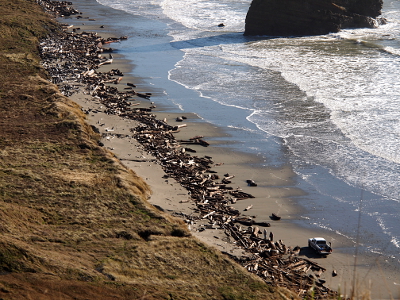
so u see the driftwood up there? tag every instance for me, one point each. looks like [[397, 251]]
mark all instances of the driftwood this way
[[248, 207], [276, 264], [106, 62], [197, 141], [251, 182], [275, 217], [146, 96]]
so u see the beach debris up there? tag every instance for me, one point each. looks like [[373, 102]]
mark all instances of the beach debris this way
[[248, 207], [276, 263], [146, 96], [263, 224], [198, 140], [251, 182], [59, 8], [275, 217], [106, 62]]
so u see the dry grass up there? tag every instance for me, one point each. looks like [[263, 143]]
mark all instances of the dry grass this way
[[75, 223]]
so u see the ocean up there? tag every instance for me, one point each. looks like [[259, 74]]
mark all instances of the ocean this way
[[327, 105]]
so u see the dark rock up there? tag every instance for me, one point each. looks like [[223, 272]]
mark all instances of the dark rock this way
[[251, 182], [310, 17], [275, 217]]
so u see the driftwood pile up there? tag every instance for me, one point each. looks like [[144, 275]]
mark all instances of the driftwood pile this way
[[72, 60], [275, 263], [75, 57], [60, 8]]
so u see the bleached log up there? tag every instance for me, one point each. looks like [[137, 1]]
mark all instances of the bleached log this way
[[209, 214], [295, 264], [107, 62], [256, 231], [248, 207], [118, 80]]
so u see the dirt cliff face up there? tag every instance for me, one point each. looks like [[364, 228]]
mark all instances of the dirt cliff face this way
[[309, 17]]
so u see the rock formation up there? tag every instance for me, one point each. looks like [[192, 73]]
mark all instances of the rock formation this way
[[310, 17]]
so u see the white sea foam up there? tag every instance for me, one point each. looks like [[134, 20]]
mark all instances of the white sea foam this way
[[207, 14]]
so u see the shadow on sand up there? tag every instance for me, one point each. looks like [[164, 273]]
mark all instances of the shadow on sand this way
[[310, 253]]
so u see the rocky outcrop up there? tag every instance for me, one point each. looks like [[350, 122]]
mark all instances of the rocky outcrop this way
[[310, 17]]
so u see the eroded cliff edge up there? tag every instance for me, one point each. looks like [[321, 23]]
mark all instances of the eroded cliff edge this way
[[310, 17]]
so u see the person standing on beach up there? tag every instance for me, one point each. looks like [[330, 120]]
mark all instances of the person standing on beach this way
[[271, 236]]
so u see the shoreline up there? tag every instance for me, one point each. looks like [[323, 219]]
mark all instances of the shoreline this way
[[271, 181]]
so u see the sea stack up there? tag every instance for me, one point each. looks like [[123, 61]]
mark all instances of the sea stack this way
[[310, 17]]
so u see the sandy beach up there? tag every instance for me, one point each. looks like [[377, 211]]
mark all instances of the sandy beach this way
[[274, 193]]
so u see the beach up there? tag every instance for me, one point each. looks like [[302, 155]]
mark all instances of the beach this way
[[276, 186]]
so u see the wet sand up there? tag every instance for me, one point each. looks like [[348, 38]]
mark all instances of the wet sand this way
[[275, 191]]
